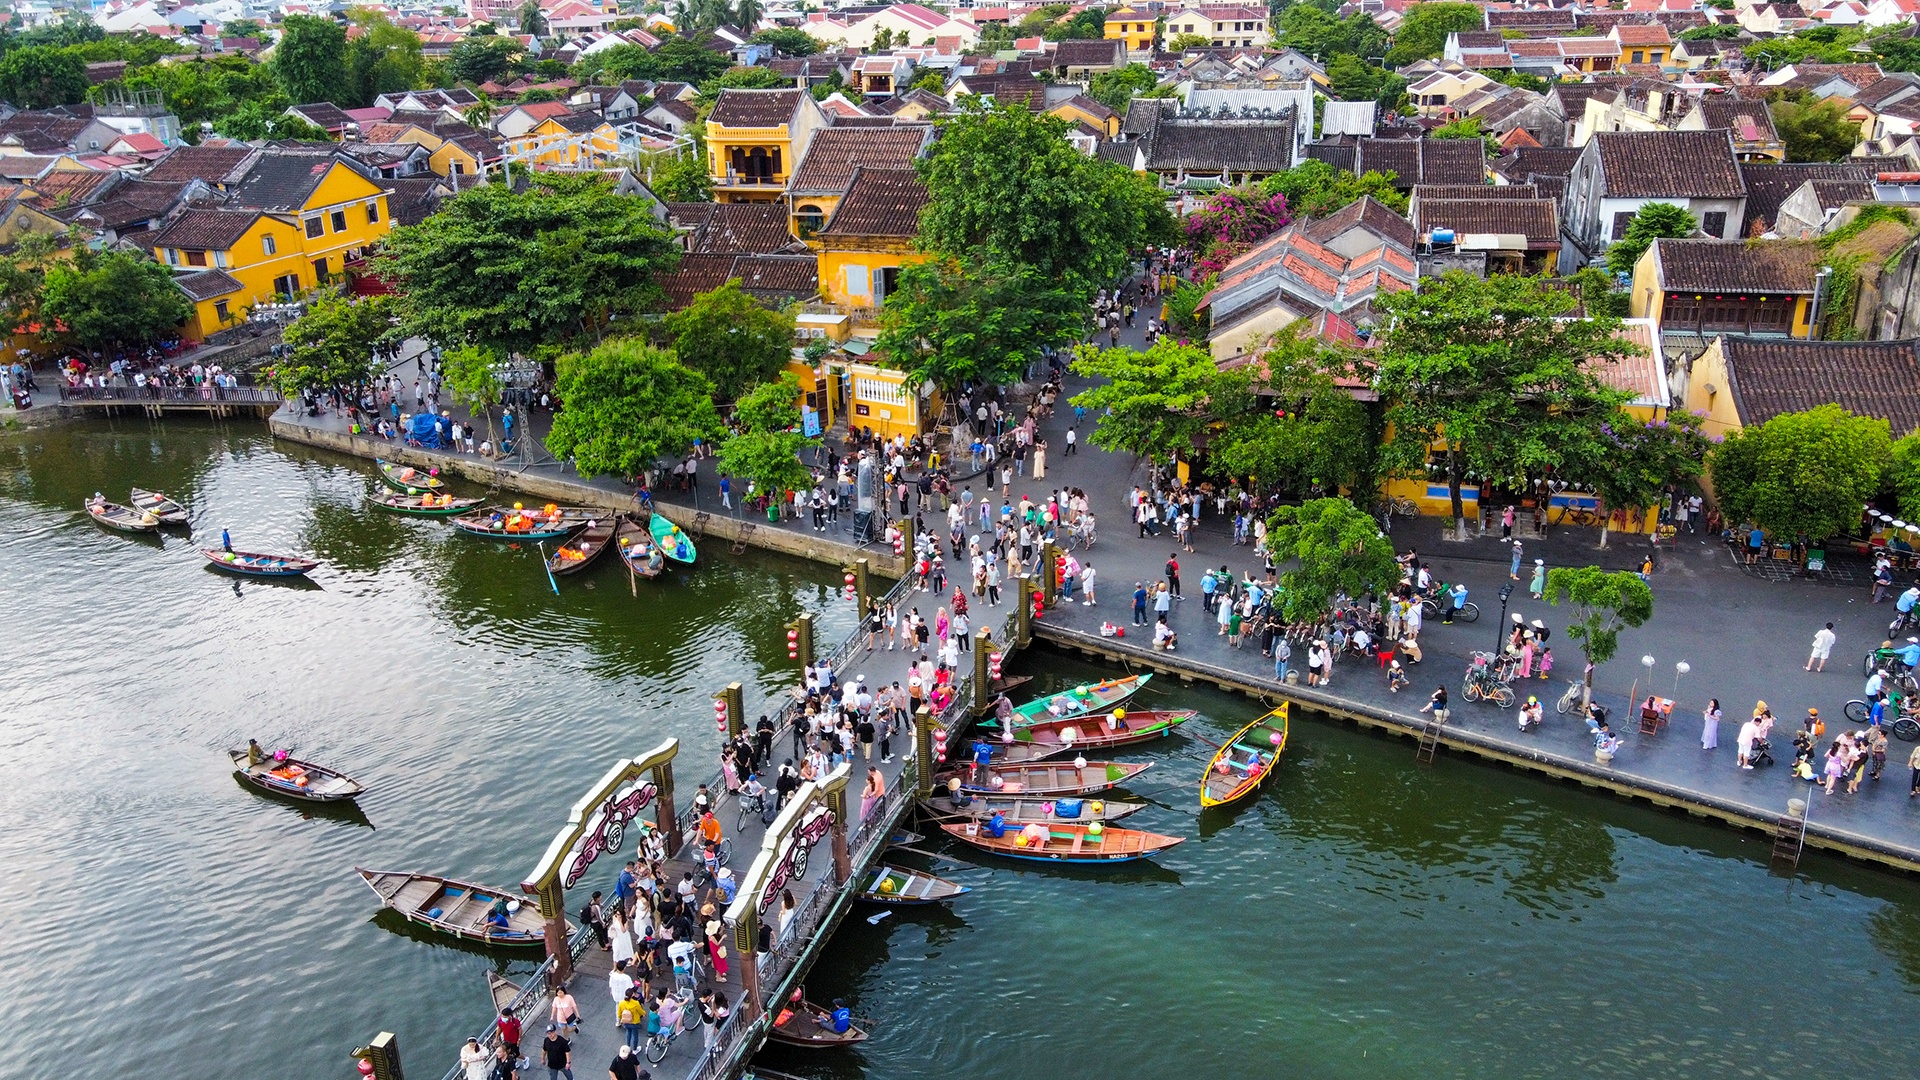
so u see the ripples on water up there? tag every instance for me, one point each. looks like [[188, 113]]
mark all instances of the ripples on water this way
[[1365, 917]]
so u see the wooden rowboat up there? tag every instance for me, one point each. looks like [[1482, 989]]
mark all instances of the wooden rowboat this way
[[636, 546], [482, 524], [1082, 699], [153, 502], [1052, 738], [502, 990], [1045, 779], [892, 885], [457, 907], [1094, 843], [120, 518], [1022, 811], [674, 544], [1245, 761], [407, 478], [592, 542], [296, 779], [258, 563], [806, 1024], [417, 505]]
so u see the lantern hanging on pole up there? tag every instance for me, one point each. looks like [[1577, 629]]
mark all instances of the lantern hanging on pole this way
[[851, 594], [720, 714], [939, 744], [793, 644], [993, 665]]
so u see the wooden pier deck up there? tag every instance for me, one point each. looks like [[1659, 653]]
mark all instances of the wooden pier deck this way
[[158, 401]]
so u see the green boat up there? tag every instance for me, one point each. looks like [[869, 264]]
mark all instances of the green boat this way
[[1079, 701], [417, 505], [407, 478], [673, 543]]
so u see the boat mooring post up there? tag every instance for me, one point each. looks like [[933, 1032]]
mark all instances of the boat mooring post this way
[[802, 650], [982, 671], [923, 751], [1023, 615], [735, 703], [1050, 572], [859, 570]]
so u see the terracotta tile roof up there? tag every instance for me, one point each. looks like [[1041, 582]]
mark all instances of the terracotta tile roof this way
[[1095, 53], [324, 115], [743, 229], [1668, 164], [837, 151], [1476, 191], [206, 230], [283, 179], [879, 202], [1537, 219], [1643, 34], [206, 284], [1769, 266], [72, 187], [214, 164], [755, 108], [1366, 213], [1536, 161], [1770, 376], [1769, 183], [1750, 121], [1643, 375], [791, 277], [1210, 146]]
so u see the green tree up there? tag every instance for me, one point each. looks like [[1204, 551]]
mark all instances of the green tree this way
[[1903, 475], [1315, 438], [1340, 552], [1005, 181], [113, 299], [1815, 130], [1352, 79], [1713, 32], [1491, 376], [789, 41], [1653, 221], [1314, 188], [1115, 88], [1423, 30], [513, 270], [1603, 605], [531, 18], [953, 321], [255, 120], [742, 78], [1088, 24], [334, 342], [471, 376], [1639, 461], [678, 59], [310, 59], [1184, 318], [478, 59], [207, 88], [731, 338], [243, 28], [625, 405], [682, 177], [1802, 474], [23, 276], [1314, 32], [1182, 42], [1820, 44], [766, 448], [383, 59], [41, 76], [1154, 403]]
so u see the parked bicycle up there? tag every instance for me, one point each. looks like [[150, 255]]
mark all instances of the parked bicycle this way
[[1571, 700], [1486, 682]]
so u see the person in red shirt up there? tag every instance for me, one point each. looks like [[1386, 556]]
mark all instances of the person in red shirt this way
[[509, 1026], [1173, 575]]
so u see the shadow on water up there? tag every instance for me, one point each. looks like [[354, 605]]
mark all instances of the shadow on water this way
[[296, 583], [345, 812], [399, 925]]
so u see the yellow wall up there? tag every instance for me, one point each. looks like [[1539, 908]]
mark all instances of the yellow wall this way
[[1110, 126], [1710, 369], [826, 204], [1131, 27], [447, 154], [836, 259], [351, 195], [892, 408], [722, 141], [602, 143], [1647, 299]]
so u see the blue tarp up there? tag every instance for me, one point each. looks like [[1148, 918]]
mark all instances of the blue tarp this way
[[420, 430]]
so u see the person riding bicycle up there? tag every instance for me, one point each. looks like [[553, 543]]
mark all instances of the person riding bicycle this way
[[753, 790], [1910, 654], [1458, 597]]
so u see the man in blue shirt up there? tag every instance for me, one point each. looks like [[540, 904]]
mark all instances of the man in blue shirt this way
[[623, 889], [842, 1017], [1139, 604], [1910, 655], [1207, 586], [1755, 541]]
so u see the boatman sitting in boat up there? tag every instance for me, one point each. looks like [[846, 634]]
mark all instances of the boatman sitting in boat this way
[[840, 1019], [958, 794], [497, 915], [255, 755], [997, 825], [654, 559]]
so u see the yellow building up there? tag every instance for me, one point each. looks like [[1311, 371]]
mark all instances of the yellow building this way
[[1083, 109], [1741, 382], [465, 154], [755, 139], [575, 140], [294, 222], [816, 187], [869, 238], [1132, 27], [1711, 287]]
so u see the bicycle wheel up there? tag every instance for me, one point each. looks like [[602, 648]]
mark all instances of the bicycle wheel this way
[[747, 813], [1469, 689], [726, 851], [656, 1048], [1866, 664], [1906, 682], [1502, 696], [1906, 729], [1568, 701], [1470, 612], [1856, 712]]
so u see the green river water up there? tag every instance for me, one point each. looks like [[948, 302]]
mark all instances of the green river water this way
[[1365, 917]]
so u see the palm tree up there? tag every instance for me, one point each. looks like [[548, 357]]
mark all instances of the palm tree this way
[[746, 13], [479, 114], [533, 19]]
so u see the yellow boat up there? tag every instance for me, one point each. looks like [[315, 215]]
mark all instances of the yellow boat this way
[[1245, 761]]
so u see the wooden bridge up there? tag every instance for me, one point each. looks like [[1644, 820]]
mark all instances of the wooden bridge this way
[[212, 401]]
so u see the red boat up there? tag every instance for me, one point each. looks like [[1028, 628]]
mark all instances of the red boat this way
[[1085, 734]]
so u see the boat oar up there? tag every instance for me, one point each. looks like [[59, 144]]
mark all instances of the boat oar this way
[[541, 545]]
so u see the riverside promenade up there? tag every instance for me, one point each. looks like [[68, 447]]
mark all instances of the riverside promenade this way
[[1744, 636]]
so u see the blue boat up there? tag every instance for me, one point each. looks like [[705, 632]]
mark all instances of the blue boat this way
[[258, 564]]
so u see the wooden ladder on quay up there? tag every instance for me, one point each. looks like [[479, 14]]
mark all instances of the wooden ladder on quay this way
[[1429, 744], [740, 539], [1789, 840]]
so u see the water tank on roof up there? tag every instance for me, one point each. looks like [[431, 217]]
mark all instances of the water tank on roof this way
[[1443, 236]]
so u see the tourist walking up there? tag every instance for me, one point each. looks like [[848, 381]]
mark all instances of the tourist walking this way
[[1538, 586], [1173, 574], [1710, 726], [1822, 648], [1139, 604], [1513, 569], [558, 1053]]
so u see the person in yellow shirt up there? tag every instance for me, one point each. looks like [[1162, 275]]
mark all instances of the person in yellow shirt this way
[[632, 1017]]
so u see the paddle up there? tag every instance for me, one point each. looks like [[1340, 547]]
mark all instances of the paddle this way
[[542, 546]]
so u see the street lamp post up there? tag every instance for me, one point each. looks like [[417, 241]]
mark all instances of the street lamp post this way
[[1679, 669], [1633, 699], [1500, 628]]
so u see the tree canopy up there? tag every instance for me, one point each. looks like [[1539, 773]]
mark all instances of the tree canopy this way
[[1005, 182], [1802, 474], [1314, 188], [954, 321], [1604, 603], [1160, 399], [1815, 130], [766, 448], [1313, 31], [1653, 221], [1116, 88], [470, 375], [789, 41], [1232, 221], [1422, 33], [310, 59], [113, 299], [383, 59], [1340, 552], [1636, 462], [478, 59], [1903, 475], [1489, 376], [731, 338], [42, 76], [625, 405], [332, 343], [512, 270], [1315, 439]]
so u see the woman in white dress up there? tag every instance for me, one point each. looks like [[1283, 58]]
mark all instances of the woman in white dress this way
[[622, 936], [1710, 732]]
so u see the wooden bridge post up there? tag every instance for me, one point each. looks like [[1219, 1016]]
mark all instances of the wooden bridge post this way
[[1023, 614], [664, 814], [982, 671], [842, 861], [923, 750], [553, 910], [736, 708], [1050, 572], [861, 567]]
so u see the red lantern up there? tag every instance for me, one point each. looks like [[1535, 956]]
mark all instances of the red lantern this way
[[720, 714], [939, 744], [793, 644], [993, 665]]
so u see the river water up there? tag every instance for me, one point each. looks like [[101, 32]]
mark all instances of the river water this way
[[1365, 917]]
